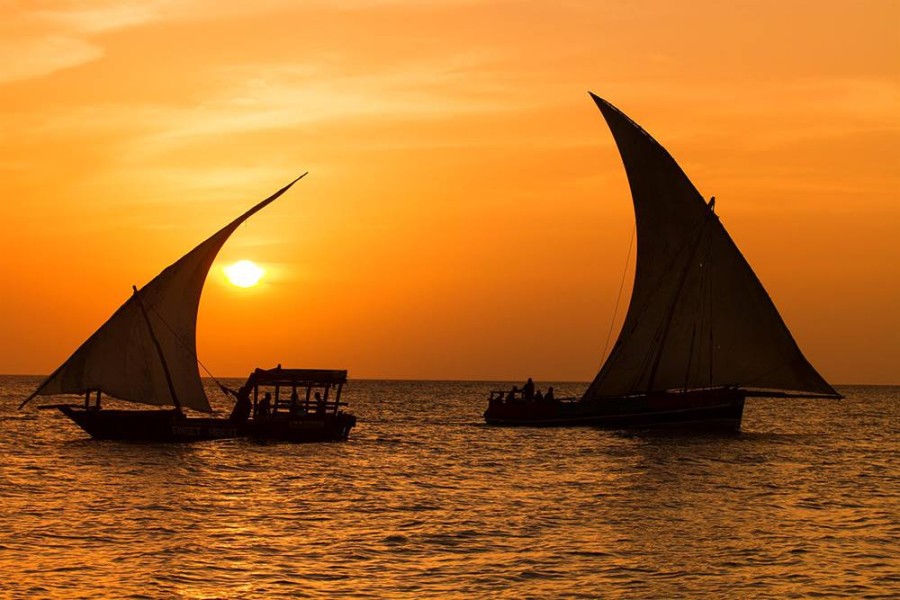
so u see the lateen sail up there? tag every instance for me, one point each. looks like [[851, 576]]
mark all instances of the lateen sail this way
[[698, 315], [120, 358]]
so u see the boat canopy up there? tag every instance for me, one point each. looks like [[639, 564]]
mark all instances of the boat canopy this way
[[298, 377]]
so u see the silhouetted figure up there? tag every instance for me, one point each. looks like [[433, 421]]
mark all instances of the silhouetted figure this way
[[712, 204], [87, 401], [320, 404], [548, 397], [511, 396], [528, 391], [265, 405], [295, 401], [538, 397], [241, 410]]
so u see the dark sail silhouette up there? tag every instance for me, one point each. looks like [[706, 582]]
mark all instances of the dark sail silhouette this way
[[701, 333], [146, 352], [698, 316]]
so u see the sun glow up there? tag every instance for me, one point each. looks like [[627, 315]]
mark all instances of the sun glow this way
[[244, 273]]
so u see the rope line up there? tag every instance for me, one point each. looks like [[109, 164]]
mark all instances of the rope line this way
[[189, 349], [612, 323]]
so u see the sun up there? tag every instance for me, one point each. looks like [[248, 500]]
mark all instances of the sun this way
[[244, 273]]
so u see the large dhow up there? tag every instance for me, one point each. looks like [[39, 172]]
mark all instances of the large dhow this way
[[701, 333], [146, 354]]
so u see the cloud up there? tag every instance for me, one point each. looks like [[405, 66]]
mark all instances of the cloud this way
[[37, 43], [22, 59], [272, 97], [284, 96], [99, 18], [62, 34], [41, 41]]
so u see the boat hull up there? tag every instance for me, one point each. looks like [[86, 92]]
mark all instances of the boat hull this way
[[702, 410], [150, 425], [307, 428], [172, 426]]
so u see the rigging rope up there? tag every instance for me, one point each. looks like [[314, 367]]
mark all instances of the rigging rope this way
[[621, 287], [191, 350]]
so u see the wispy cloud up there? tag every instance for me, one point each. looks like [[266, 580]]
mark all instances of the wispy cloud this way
[[284, 96], [41, 40], [27, 58], [264, 97]]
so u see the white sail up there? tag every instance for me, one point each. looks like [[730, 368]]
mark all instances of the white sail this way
[[121, 359], [698, 316]]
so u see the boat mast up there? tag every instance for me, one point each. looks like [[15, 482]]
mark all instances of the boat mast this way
[[162, 358], [667, 324]]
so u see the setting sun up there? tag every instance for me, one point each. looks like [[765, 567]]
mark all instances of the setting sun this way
[[244, 273]]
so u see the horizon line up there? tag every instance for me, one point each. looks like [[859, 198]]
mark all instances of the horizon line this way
[[451, 380]]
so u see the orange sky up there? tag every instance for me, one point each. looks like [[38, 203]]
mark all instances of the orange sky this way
[[466, 213]]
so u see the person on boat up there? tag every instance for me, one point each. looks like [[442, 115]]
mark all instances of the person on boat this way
[[241, 411], [712, 204], [528, 391], [265, 405], [548, 397], [538, 397], [511, 396], [295, 402], [320, 404], [87, 401]]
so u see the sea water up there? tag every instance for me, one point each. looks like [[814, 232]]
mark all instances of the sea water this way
[[425, 500]]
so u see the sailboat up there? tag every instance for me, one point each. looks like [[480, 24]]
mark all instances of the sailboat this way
[[145, 353], [701, 334]]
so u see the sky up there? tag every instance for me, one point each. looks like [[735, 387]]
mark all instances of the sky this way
[[466, 214]]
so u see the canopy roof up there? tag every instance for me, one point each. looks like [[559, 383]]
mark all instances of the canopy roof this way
[[298, 377]]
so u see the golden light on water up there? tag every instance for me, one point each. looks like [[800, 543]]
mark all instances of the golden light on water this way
[[244, 273]]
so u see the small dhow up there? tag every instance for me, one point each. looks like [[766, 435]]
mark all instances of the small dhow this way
[[146, 354], [701, 334]]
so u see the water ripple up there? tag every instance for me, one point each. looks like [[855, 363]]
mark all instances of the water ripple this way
[[425, 501]]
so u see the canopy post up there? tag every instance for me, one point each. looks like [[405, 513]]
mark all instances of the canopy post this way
[[162, 357]]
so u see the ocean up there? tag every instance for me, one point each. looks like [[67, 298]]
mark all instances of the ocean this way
[[425, 501]]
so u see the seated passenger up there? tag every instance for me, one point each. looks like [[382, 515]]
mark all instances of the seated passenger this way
[[511, 396], [320, 404], [548, 397], [528, 391], [538, 397], [241, 410], [265, 405]]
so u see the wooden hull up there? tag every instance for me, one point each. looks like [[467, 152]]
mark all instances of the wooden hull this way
[[307, 428], [149, 425], [171, 426], [701, 410]]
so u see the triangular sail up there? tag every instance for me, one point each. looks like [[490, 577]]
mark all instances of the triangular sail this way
[[120, 359], [698, 316]]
